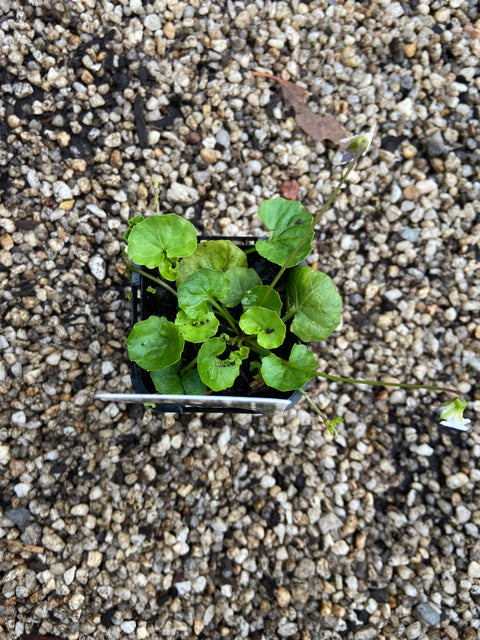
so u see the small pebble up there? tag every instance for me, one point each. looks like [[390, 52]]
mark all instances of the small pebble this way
[[97, 267]]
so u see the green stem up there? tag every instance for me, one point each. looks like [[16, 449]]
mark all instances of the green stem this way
[[188, 366], [254, 346], [398, 385], [226, 315], [307, 233], [288, 315], [312, 404], [376, 383], [154, 279]]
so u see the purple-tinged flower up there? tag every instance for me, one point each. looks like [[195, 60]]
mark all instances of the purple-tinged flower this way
[[357, 146]]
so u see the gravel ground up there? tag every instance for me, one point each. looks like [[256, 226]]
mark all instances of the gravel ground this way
[[119, 523]]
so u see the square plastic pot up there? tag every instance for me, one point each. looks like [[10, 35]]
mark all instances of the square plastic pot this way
[[146, 303]]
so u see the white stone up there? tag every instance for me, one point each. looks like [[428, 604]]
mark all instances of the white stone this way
[[128, 626], [97, 267], [425, 450], [199, 584], [179, 192], [183, 587], [4, 454], [107, 367], [76, 601], [62, 191], [52, 541], [329, 522], [69, 575], [224, 437], [33, 179], [457, 480], [152, 22], [94, 558], [19, 418], [22, 489], [473, 570], [405, 108], [340, 548], [93, 208], [113, 140]]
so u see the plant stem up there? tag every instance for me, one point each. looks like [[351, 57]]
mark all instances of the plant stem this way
[[376, 383], [311, 228], [312, 404], [188, 366], [287, 316], [154, 279], [398, 385], [254, 346], [225, 314]]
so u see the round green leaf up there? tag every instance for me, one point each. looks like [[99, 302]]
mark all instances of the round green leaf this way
[[256, 298], [265, 324], [197, 330], [214, 254], [287, 222], [170, 381], [132, 223], [283, 375], [155, 343], [216, 373], [159, 240], [315, 303], [241, 279], [199, 288]]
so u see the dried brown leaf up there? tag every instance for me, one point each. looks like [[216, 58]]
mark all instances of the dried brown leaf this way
[[319, 127]]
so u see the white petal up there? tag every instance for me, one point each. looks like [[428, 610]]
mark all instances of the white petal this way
[[454, 422]]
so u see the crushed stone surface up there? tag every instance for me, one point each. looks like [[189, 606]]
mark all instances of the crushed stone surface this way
[[116, 522]]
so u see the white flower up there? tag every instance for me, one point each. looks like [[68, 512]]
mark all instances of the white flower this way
[[452, 415], [356, 147]]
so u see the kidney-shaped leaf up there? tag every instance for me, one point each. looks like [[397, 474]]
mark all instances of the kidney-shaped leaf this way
[[241, 279], [216, 373], [258, 297], [197, 330], [158, 241], [214, 254], [171, 381], [287, 221], [315, 303], [155, 343], [265, 324], [199, 288], [289, 375], [130, 224]]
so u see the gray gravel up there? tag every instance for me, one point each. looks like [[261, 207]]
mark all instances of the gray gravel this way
[[116, 522]]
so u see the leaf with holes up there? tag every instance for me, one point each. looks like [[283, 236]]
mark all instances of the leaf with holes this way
[[265, 324], [216, 373], [257, 297], [201, 288], [287, 222], [197, 330], [240, 279], [216, 254], [158, 241]]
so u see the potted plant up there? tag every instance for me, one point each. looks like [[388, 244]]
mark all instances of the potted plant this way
[[225, 325]]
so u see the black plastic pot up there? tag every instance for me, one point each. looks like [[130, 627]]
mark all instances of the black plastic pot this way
[[147, 300]]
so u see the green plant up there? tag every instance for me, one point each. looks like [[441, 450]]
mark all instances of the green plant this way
[[227, 318]]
